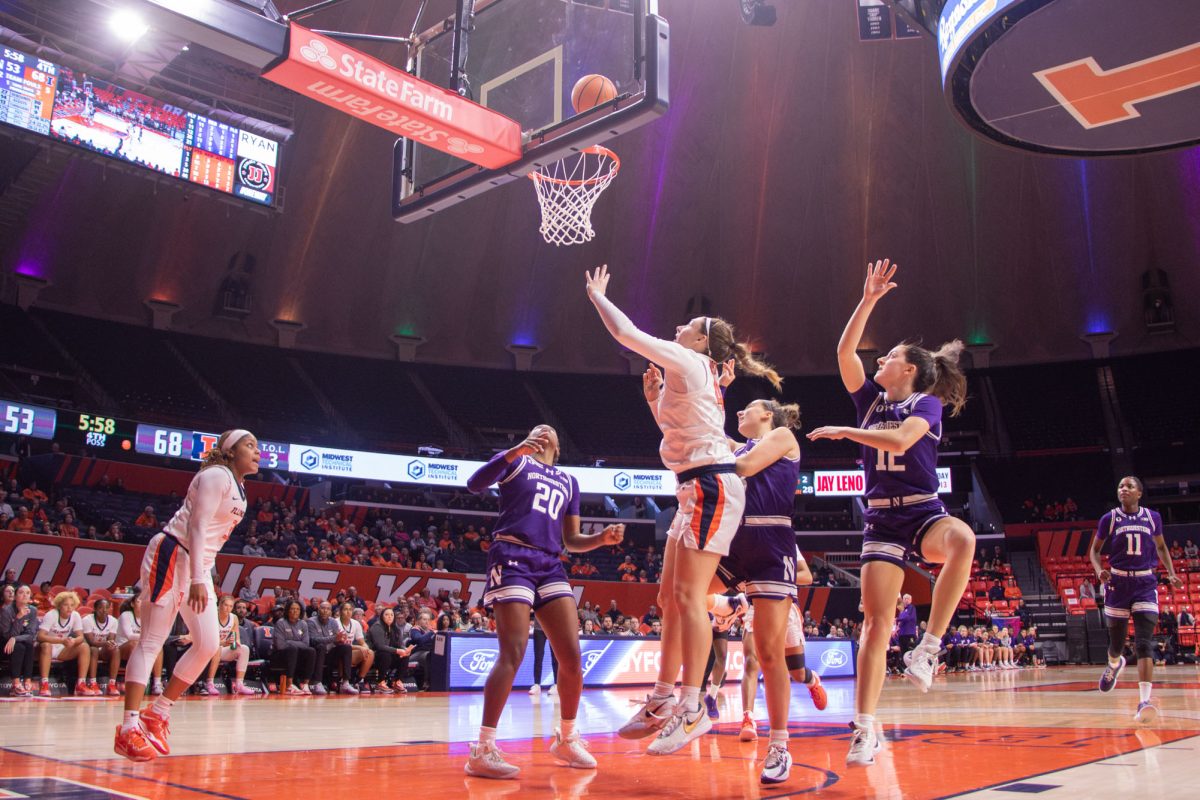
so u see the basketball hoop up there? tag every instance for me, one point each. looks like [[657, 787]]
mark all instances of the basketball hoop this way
[[568, 189]]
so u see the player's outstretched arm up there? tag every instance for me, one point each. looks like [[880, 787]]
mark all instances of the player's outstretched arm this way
[[878, 283], [671, 355]]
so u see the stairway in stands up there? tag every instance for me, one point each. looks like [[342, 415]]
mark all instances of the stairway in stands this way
[[1043, 603]]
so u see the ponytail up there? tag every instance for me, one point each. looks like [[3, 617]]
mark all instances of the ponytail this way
[[722, 346], [782, 416], [939, 374]]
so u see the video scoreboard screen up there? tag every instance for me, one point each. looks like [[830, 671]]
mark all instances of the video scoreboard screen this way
[[27, 86], [159, 440], [87, 112]]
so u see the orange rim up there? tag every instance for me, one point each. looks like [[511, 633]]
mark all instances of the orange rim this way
[[595, 150]]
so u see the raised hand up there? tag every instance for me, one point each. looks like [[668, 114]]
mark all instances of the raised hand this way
[[652, 383], [532, 445], [597, 283], [727, 373], [879, 280]]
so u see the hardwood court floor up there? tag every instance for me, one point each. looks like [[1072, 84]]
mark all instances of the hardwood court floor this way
[[1044, 732]]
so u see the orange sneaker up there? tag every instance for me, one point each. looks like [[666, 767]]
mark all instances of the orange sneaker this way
[[157, 731], [749, 732], [113, 691], [817, 692], [134, 745], [44, 691]]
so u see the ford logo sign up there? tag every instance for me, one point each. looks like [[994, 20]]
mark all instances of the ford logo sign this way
[[477, 662], [832, 659], [590, 659]]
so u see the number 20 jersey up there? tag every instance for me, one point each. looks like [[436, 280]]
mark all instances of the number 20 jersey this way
[[534, 498], [1129, 539]]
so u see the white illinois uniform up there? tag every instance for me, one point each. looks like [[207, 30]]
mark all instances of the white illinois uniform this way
[[95, 628], [690, 411], [183, 555], [55, 625]]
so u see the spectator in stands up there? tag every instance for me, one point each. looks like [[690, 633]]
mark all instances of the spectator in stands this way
[[613, 612], [61, 639], [252, 548], [651, 615], [147, 519], [391, 655], [353, 599], [33, 494], [477, 624], [23, 522], [245, 592], [1023, 612], [231, 649], [67, 527], [113, 533], [10, 579], [291, 651], [1185, 617], [655, 628], [996, 592], [1176, 551], [100, 631], [1191, 552], [19, 632], [6, 509], [129, 632]]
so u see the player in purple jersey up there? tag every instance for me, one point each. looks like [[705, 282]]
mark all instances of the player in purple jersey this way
[[1132, 538], [900, 425], [539, 514]]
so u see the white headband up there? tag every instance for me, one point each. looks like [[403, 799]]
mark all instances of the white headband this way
[[235, 436]]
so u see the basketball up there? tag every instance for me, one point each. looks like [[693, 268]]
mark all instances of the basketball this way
[[591, 91]]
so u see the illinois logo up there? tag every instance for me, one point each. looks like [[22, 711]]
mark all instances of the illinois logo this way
[[317, 52]]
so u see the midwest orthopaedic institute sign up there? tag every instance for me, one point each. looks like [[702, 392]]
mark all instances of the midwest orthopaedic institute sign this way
[[1072, 77], [341, 77]]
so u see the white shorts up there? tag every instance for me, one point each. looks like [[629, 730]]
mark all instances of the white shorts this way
[[709, 513], [55, 649], [795, 626]]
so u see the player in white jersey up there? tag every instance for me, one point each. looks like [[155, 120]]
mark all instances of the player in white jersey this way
[[232, 649], [690, 411], [176, 580], [60, 638], [100, 631]]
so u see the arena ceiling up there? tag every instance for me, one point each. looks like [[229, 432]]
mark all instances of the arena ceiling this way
[[790, 157]]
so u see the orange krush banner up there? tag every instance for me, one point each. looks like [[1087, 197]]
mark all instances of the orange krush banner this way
[[341, 77], [86, 564]]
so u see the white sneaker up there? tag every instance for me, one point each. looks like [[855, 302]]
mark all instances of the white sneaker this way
[[486, 761], [318, 689], [535, 689], [572, 751], [347, 688], [1147, 712], [683, 727], [649, 719], [156, 687], [778, 766], [553, 690], [922, 666], [863, 747]]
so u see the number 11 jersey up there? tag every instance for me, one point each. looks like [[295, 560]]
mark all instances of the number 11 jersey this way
[[1129, 539]]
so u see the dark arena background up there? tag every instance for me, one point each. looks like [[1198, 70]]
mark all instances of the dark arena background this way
[[360, 230]]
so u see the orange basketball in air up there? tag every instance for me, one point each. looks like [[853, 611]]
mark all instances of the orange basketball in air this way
[[591, 91]]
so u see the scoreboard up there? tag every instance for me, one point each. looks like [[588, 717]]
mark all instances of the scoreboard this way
[[104, 433], [27, 86]]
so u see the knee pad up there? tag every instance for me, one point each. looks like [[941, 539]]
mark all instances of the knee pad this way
[[794, 661], [1143, 634]]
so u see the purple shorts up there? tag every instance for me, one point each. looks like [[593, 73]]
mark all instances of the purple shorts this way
[[763, 558], [517, 574], [894, 534], [1131, 595]]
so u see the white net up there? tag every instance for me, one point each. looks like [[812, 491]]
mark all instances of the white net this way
[[568, 189]]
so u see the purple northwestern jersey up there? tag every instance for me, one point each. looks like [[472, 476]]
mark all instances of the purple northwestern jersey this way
[[534, 498], [1129, 539], [899, 474], [771, 492]]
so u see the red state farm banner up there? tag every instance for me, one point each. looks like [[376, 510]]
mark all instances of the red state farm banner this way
[[91, 565], [341, 77]]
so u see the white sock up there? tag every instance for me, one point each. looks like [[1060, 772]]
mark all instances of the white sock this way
[[162, 706], [1114, 662], [487, 735], [779, 736], [1144, 690], [131, 721], [718, 602], [712, 690], [690, 698], [663, 689], [864, 722], [931, 642], [567, 726]]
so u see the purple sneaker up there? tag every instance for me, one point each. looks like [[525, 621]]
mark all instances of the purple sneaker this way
[[1108, 681], [710, 703]]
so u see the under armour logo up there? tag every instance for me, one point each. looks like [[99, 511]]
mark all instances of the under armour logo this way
[[316, 51], [458, 145], [512, 563]]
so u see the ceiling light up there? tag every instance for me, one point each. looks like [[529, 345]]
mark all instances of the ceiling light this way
[[127, 25]]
